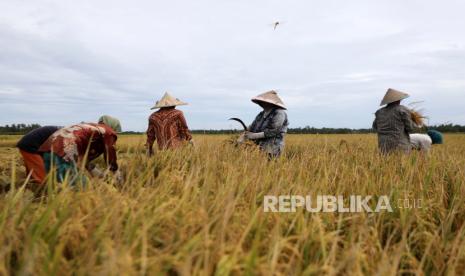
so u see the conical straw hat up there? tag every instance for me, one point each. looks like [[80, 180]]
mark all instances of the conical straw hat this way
[[167, 100], [393, 95], [269, 97]]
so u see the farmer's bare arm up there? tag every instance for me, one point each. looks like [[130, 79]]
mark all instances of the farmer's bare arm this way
[[150, 138]]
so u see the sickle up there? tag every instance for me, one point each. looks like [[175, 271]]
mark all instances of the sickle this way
[[240, 121]]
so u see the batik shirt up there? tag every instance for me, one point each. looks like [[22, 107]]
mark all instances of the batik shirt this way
[[169, 128], [72, 143], [393, 125], [274, 125]]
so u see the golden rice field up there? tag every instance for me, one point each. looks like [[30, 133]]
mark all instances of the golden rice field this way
[[199, 211]]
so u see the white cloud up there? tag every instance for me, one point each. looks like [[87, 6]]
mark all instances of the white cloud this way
[[63, 62]]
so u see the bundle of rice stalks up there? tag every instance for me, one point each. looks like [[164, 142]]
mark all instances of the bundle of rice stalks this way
[[417, 115], [418, 118], [239, 141]]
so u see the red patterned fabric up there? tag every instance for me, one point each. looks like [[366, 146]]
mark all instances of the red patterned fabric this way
[[71, 143], [168, 126]]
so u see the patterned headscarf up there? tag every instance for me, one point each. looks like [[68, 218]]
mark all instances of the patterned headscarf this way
[[111, 122], [435, 136]]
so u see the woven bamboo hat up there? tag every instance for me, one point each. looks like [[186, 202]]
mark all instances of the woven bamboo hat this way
[[167, 100], [270, 97], [393, 95]]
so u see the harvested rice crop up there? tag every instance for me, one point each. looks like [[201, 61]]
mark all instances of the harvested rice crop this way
[[199, 211]]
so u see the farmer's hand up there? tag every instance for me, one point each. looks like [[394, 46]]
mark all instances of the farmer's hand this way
[[241, 138], [95, 172], [254, 135], [118, 177]]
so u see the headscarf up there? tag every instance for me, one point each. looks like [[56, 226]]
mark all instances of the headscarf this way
[[435, 136], [111, 122]]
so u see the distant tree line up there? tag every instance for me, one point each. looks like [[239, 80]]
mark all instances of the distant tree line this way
[[451, 128], [299, 130], [17, 128], [446, 128], [326, 130]]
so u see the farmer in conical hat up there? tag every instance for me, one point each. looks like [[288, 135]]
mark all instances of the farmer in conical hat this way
[[69, 147], [167, 125], [393, 123], [270, 125]]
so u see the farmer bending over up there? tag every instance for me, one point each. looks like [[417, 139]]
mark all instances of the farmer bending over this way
[[69, 147], [423, 142], [29, 149]]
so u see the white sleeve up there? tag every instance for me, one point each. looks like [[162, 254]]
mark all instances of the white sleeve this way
[[425, 144], [420, 141], [414, 141]]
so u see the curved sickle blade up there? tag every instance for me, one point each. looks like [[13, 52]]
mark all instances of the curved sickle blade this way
[[240, 121]]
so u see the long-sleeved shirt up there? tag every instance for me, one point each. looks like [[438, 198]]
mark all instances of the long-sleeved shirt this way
[[168, 126], [274, 125], [72, 143], [393, 123], [34, 139]]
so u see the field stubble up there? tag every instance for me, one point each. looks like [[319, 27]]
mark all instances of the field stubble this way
[[199, 210]]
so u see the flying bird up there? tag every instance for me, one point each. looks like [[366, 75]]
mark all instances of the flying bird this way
[[275, 25]]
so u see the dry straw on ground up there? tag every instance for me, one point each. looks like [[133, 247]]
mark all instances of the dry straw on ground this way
[[199, 211]]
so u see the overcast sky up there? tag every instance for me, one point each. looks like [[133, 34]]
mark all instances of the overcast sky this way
[[63, 62]]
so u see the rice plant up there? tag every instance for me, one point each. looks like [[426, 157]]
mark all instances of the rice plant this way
[[199, 211]]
